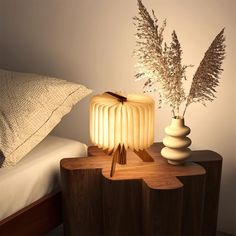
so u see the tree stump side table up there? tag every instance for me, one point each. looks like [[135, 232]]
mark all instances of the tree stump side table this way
[[142, 198]]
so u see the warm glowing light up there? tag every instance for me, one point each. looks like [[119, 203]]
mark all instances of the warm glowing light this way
[[128, 123]]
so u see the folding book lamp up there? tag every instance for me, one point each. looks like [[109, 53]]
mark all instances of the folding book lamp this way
[[118, 123]]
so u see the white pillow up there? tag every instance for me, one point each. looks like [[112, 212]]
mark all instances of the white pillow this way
[[30, 107]]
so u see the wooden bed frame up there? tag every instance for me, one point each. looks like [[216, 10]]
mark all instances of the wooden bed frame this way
[[38, 218]]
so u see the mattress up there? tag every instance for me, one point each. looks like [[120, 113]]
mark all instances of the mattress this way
[[37, 174]]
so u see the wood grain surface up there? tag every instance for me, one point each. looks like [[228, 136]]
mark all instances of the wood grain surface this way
[[142, 198]]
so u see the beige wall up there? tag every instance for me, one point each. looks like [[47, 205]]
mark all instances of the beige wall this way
[[91, 42]]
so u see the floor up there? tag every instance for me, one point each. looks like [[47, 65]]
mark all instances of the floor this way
[[222, 234], [59, 232]]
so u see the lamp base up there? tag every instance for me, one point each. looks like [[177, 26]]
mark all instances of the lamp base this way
[[119, 156]]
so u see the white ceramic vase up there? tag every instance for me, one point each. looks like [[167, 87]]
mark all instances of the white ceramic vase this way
[[176, 143]]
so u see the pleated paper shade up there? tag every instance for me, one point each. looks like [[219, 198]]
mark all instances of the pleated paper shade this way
[[129, 123]]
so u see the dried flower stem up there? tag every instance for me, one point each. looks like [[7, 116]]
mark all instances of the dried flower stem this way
[[157, 62], [206, 78]]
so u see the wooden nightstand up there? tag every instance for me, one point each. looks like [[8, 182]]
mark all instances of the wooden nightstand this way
[[142, 198]]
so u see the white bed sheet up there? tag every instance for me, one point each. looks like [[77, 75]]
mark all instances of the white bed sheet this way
[[37, 174]]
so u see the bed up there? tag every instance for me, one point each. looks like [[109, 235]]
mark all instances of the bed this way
[[31, 105], [30, 200]]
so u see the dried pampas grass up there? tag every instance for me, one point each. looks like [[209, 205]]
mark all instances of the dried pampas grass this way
[[161, 64]]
